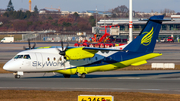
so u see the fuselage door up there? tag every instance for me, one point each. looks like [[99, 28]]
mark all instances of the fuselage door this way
[[39, 60]]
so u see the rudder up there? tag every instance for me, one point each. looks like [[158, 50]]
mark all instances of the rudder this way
[[146, 40]]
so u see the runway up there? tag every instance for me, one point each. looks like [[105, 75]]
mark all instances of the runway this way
[[152, 81]]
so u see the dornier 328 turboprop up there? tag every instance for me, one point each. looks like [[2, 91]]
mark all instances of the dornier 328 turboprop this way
[[83, 60]]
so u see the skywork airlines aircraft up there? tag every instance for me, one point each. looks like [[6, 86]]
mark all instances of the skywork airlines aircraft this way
[[83, 60]]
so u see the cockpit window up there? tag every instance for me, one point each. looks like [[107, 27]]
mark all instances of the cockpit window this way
[[22, 56], [27, 57], [18, 56]]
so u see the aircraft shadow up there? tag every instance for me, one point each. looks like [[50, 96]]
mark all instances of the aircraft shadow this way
[[111, 75]]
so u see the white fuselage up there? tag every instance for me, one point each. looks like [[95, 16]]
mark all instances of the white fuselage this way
[[47, 60]]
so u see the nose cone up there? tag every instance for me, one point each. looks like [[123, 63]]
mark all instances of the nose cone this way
[[6, 66], [9, 65]]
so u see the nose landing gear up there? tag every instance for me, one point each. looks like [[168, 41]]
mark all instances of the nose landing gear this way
[[17, 76]]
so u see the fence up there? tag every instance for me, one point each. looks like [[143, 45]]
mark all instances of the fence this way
[[54, 38]]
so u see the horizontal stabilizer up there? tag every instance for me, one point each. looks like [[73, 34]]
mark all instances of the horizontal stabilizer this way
[[139, 63]]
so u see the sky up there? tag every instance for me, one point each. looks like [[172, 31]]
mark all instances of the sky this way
[[101, 5]]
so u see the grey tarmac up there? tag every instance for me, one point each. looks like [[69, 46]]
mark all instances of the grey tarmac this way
[[152, 81]]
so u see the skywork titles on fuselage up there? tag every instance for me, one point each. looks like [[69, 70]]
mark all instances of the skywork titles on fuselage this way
[[47, 63]]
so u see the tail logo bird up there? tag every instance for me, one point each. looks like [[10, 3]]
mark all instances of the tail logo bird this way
[[146, 40]]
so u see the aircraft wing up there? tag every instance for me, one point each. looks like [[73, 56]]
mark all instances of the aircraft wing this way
[[75, 53], [102, 49]]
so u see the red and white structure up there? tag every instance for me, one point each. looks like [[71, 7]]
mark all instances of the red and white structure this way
[[130, 22]]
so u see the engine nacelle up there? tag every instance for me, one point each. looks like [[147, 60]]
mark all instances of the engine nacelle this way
[[79, 53]]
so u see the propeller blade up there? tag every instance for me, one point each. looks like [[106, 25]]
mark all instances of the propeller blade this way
[[67, 46], [29, 43], [62, 44], [58, 49], [68, 57], [24, 48], [34, 46], [64, 62], [62, 53]]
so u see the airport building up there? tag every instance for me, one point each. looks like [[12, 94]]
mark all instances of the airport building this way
[[120, 27]]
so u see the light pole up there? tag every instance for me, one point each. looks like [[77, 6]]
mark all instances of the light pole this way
[[130, 21]]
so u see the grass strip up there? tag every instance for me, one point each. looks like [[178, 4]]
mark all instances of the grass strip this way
[[40, 95]]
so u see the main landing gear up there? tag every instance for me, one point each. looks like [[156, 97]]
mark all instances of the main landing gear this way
[[83, 75], [66, 76]]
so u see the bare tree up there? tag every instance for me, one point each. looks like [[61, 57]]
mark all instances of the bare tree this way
[[168, 11], [120, 11]]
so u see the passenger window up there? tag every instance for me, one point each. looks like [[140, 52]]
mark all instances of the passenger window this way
[[27, 57]]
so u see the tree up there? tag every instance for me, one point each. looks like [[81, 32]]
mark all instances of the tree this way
[[114, 16], [20, 25], [106, 16], [6, 14], [10, 6], [121, 10], [76, 15], [36, 9], [50, 18], [66, 24], [92, 20], [28, 14]]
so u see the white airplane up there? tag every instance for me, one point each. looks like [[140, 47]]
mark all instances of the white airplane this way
[[83, 60]]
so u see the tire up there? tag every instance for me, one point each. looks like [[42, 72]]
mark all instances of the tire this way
[[82, 75], [17, 76], [66, 76]]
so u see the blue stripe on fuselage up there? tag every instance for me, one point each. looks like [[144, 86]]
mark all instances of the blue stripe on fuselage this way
[[116, 57]]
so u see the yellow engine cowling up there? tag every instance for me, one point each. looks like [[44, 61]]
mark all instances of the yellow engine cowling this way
[[79, 53]]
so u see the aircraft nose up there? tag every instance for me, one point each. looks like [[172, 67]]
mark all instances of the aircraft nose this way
[[6, 66]]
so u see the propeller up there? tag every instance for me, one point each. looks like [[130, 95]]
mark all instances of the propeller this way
[[62, 53], [29, 44]]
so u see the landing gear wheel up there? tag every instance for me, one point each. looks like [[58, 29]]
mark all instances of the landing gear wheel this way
[[82, 75], [17, 76], [66, 76]]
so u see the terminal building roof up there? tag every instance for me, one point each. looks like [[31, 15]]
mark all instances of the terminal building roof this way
[[135, 21]]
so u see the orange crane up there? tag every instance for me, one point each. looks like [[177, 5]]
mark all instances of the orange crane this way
[[30, 5]]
